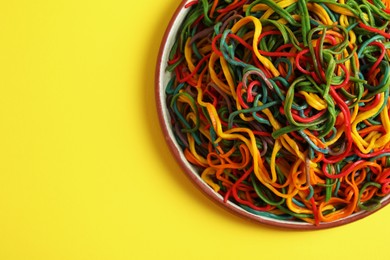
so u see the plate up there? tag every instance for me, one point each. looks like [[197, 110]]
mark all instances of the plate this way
[[162, 79]]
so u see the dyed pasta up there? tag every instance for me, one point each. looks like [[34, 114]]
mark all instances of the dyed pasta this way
[[283, 106]]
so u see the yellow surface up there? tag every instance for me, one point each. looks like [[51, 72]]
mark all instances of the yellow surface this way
[[84, 170]]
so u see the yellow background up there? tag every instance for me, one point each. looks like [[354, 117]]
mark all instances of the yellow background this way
[[84, 170]]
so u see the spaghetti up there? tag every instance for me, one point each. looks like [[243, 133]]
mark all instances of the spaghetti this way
[[283, 106]]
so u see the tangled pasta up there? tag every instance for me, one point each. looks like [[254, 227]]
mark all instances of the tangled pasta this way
[[282, 105]]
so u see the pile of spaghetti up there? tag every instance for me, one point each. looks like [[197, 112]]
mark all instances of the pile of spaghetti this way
[[283, 105]]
